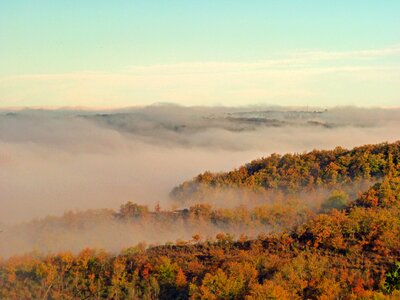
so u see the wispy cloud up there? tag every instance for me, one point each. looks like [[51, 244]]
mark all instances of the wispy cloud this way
[[310, 76], [357, 54]]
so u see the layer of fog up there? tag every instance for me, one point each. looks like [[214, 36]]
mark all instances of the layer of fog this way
[[53, 161], [75, 231], [239, 210]]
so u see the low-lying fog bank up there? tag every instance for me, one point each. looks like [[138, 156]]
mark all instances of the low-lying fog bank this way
[[54, 161]]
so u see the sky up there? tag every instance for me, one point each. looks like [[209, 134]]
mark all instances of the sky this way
[[211, 52]]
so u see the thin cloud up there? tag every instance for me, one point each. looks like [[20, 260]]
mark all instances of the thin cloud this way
[[311, 77]]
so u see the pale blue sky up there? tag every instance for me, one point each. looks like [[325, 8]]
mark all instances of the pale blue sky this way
[[123, 53]]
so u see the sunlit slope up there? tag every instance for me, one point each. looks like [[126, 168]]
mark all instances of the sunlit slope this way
[[347, 253], [291, 173]]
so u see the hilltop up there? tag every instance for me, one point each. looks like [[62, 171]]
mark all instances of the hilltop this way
[[344, 248]]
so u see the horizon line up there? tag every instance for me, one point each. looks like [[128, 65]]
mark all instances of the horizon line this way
[[172, 104]]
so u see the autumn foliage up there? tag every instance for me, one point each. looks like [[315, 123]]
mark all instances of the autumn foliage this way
[[346, 248]]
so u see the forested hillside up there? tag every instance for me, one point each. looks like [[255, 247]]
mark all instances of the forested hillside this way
[[292, 173], [343, 248]]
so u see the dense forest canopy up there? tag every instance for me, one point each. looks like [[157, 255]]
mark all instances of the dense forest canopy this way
[[292, 173], [346, 247]]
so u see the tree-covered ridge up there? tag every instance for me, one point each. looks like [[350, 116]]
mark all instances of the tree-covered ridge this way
[[134, 223], [351, 253], [297, 172], [302, 265]]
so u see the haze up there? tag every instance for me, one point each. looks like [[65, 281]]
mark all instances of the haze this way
[[54, 161]]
